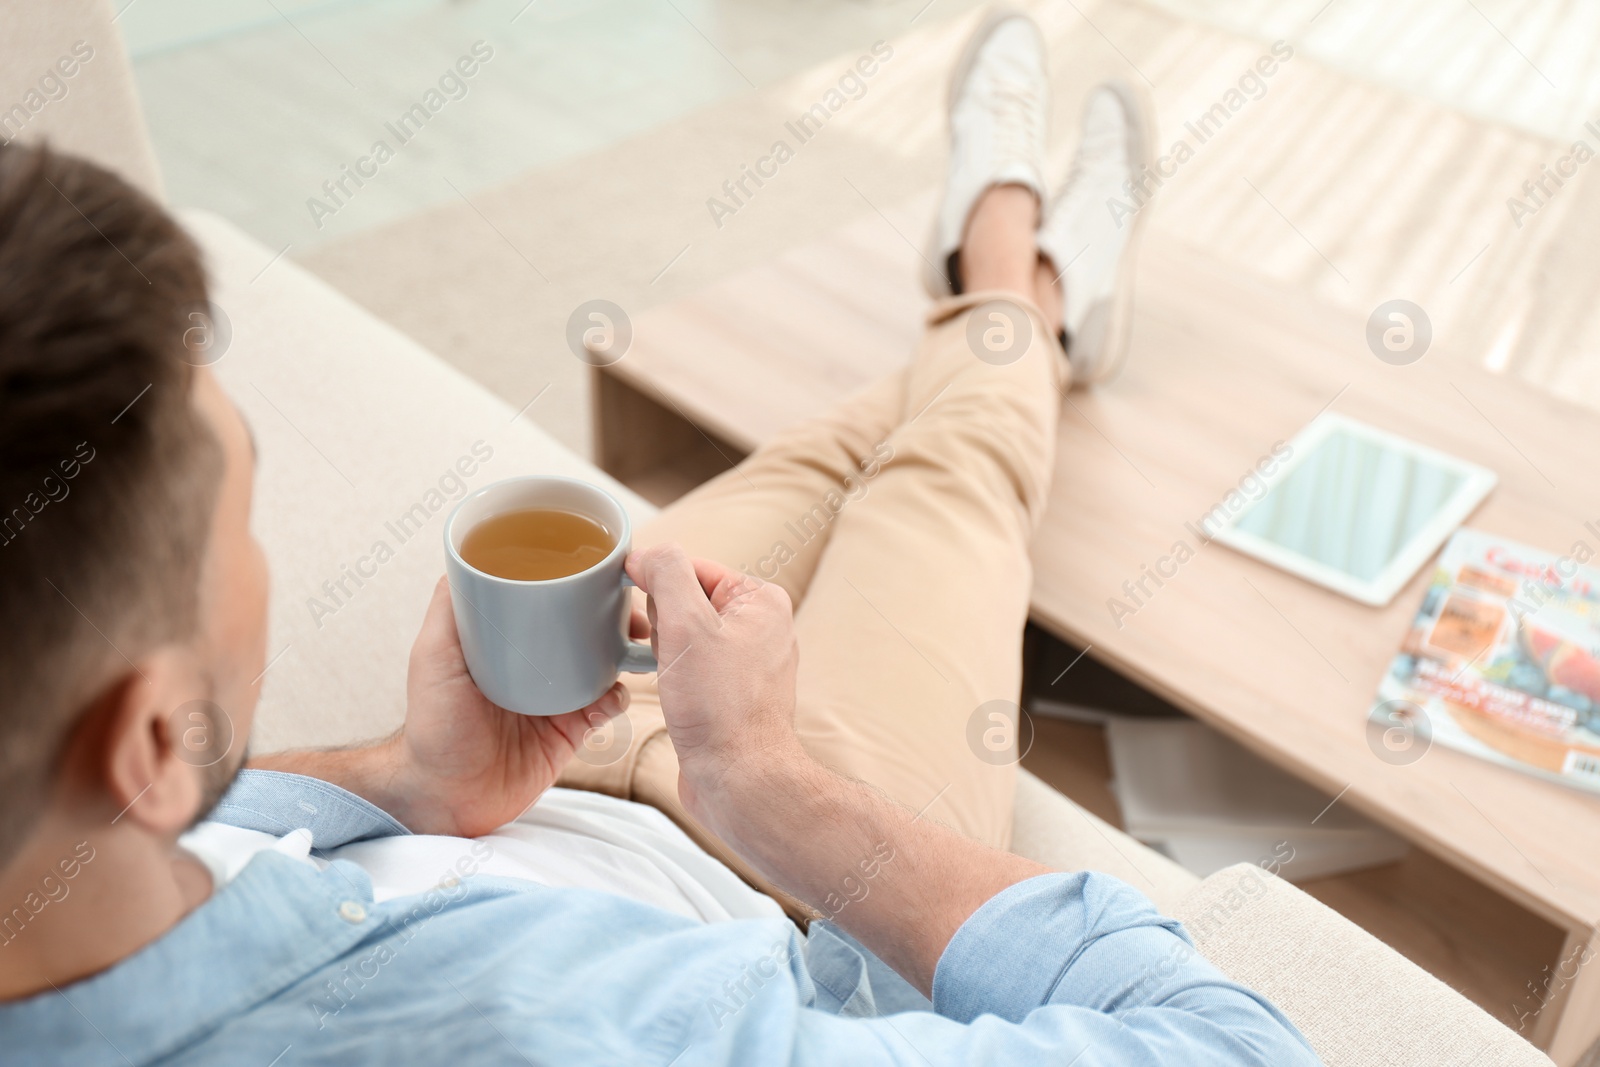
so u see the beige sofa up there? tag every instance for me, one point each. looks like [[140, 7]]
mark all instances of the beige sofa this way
[[357, 425]]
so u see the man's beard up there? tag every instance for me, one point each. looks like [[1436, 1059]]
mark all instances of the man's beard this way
[[217, 779]]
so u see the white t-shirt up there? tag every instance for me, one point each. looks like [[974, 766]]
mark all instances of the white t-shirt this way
[[570, 838]]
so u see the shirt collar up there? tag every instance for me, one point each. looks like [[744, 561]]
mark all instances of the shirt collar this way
[[276, 922]]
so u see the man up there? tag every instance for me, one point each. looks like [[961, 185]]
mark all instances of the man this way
[[408, 901]]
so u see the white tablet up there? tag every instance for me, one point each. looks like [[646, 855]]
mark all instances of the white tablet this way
[[1354, 508]]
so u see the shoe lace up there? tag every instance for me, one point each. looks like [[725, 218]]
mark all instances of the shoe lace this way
[[1015, 106], [1101, 151]]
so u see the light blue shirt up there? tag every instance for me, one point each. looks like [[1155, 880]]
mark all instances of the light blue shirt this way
[[287, 965]]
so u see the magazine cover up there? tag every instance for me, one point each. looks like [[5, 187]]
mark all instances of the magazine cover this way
[[1502, 661]]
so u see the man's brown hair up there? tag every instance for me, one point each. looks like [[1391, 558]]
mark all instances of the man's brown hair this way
[[108, 470]]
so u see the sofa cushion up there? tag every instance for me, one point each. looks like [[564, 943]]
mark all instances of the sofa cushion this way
[[365, 442], [1358, 1002]]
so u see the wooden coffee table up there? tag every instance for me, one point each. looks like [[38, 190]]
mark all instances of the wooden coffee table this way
[[1504, 880]]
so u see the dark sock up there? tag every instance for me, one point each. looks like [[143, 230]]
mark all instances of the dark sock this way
[[952, 270]]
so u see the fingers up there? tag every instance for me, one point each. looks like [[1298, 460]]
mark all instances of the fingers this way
[[575, 725], [609, 705], [726, 587], [439, 622], [612, 702], [671, 579], [685, 587], [722, 585], [638, 626]]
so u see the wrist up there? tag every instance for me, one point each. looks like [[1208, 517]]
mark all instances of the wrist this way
[[373, 772], [763, 803], [746, 779], [386, 780], [394, 782]]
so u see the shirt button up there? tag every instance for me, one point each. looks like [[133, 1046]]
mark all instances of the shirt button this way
[[351, 912]]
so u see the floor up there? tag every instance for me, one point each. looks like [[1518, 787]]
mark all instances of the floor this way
[[1530, 64], [254, 104]]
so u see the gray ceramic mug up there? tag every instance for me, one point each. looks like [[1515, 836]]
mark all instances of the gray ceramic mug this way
[[548, 647]]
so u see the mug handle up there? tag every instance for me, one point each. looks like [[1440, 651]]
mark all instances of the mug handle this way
[[637, 657]]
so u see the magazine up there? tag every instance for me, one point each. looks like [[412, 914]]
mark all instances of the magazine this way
[[1502, 661]]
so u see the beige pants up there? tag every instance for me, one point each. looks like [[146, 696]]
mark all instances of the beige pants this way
[[899, 524]]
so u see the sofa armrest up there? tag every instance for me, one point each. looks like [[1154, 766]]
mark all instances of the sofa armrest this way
[[1358, 1002], [1050, 829], [93, 111]]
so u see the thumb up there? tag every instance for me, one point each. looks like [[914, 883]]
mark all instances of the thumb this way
[[439, 623], [667, 574]]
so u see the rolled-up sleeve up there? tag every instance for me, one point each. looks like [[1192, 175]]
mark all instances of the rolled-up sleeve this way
[[1073, 969]]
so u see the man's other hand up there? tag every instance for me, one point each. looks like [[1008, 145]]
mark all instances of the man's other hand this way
[[726, 647]]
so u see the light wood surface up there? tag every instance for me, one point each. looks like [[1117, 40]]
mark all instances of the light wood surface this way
[[1224, 365], [1223, 368]]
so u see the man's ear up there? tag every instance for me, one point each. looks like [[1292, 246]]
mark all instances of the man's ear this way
[[127, 748]]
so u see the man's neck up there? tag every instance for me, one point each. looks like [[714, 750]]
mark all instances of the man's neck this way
[[75, 902]]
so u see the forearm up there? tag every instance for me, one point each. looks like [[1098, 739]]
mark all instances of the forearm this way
[[1067, 961], [900, 883]]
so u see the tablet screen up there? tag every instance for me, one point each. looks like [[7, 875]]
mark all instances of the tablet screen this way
[[1354, 502]]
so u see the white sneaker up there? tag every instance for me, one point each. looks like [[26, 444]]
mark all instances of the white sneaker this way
[[999, 92], [1089, 235]]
